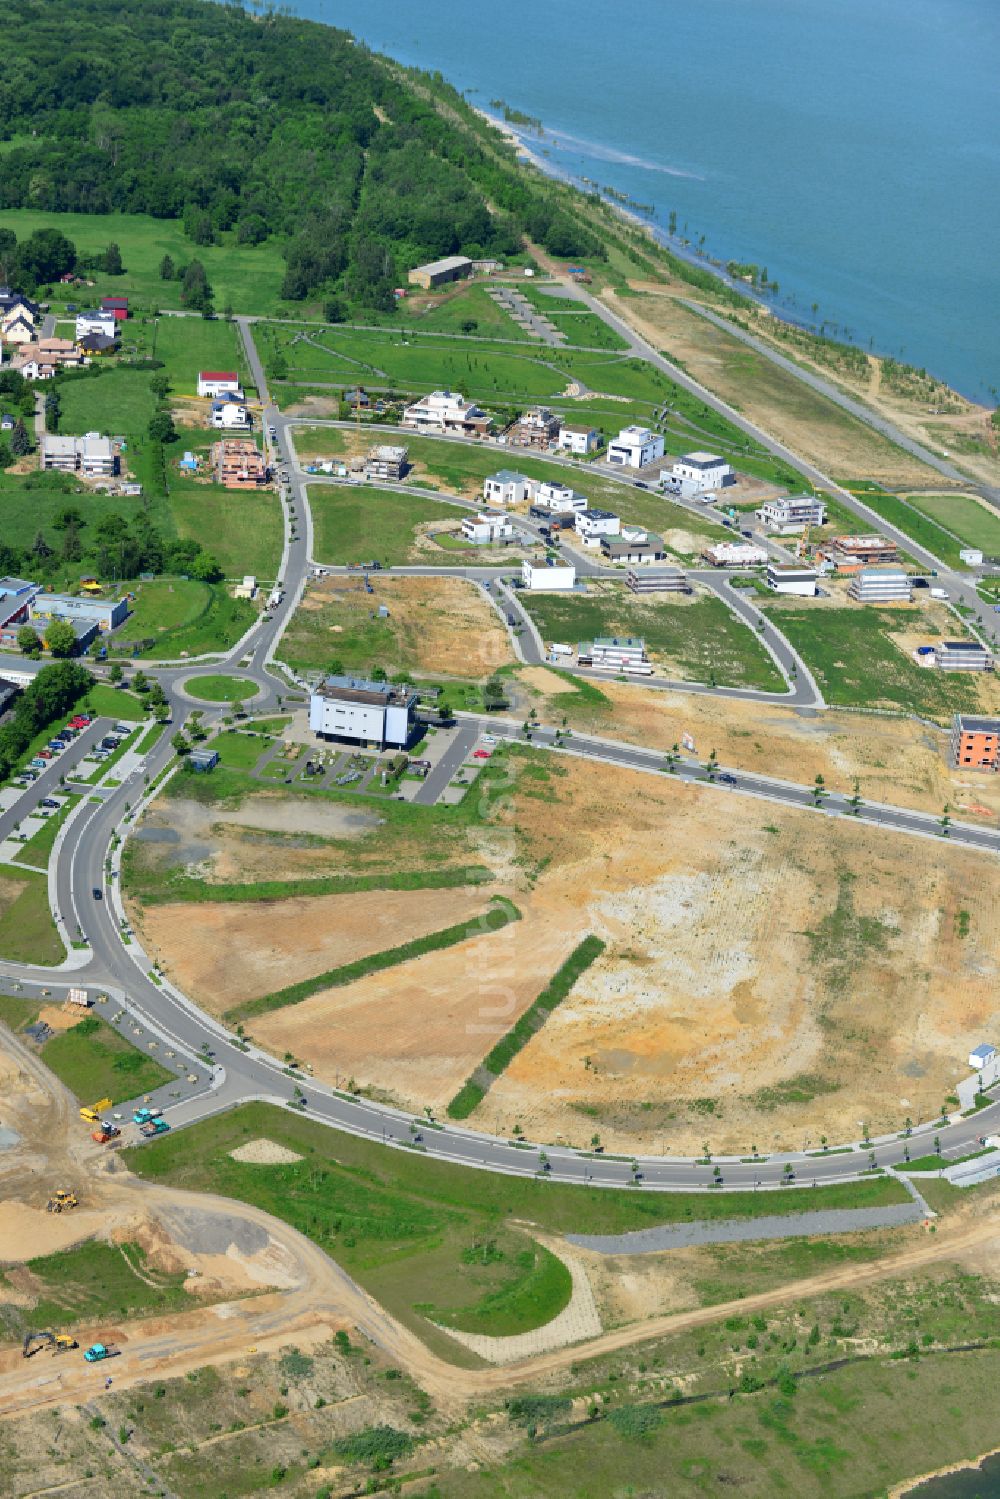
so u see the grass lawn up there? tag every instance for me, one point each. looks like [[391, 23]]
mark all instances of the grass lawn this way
[[450, 310], [855, 662], [38, 848], [355, 524], [117, 401], [699, 639], [94, 1281], [246, 276], [27, 931], [240, 751], [102, 701], [95, 1062], [177, 616], [187, 345], [404, 1225], [242, 530], [16, 1012], [912, 522], [29, 503], [972, 522], [219, 689]]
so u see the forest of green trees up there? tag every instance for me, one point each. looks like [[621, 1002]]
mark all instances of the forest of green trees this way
[[262, 127]]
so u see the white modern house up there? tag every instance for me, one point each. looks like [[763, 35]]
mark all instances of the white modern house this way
[[93, 455], [962, 655], [735, 554], [697, 472], [219, 383], [791, 577], [634, 447], [230, 414], [556, 499], [791, 514], [591, 525], [484, 528], [578, 440], [447, 411], [881, 585], [548, 577], [362, 711], [95, 322], [506, 487]]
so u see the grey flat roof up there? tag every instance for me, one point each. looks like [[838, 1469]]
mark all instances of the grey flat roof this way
[[598, 514], [449, 263], [977, 725], [362, 690]]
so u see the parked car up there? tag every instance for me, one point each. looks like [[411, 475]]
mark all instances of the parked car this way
[[639, 484], [45, 754], [482, 755], [96, 893], [48, 801], [726, 779]]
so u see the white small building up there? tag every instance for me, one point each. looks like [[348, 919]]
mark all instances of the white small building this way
[[634, 447], [219, 383], [971, 556], [556, 499], [698, 471], [230, 414], [487, 527], [548, 577], [95, 322], [362, 711], [506, 487], [578, 440], [735, 554], [791, 514], [591, 525], [247, 589], [982, 1056], [791, 577]]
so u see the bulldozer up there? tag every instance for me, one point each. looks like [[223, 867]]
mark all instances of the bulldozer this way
[[62, 1201], [60, 1342]]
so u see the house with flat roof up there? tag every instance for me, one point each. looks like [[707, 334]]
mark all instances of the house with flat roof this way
[[439, 272], [15, 597], [230, 414], [556, 499], [880, 585], [634, 447], [672, 581], [791, 514], [536, 428], [850, 553], [975, 742], [239, 464], [696, 472], [447, 411], [548, 577], [103, 614], [633, 548], [507, 487], [591, 525], [981, 1056], [387, 461], [92, 455], [962, 655], [95, 322], [579, 440], [362, 711], [487, 527], [792, 577]]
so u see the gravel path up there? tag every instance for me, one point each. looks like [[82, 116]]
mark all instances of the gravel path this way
[[577, 1322], [734, 1231]]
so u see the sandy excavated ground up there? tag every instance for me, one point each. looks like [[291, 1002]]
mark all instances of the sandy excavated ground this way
[[840, 445], [435, 625], [224, 953], [896, 760]]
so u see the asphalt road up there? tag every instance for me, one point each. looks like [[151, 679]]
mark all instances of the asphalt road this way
[[227, 1073]]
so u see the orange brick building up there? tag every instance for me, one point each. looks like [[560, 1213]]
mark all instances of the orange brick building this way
[[975, 742], [238, 464]]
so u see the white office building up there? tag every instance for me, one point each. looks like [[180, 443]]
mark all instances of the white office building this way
[[701, 471], [634, 447], [506, 487], [362, 711], [591, 525], [791, 514], [548, 577]]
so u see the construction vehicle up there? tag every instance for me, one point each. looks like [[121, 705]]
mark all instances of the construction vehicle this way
[[60, 1342], [62, 1201], [106, 1133], [154, 1127], [97, 1352], [93, 1114]]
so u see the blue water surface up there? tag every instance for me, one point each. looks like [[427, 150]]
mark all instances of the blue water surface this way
[[850, 146]]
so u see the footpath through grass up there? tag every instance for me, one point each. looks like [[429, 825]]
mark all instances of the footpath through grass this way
[[94, 1061], [499, 914]]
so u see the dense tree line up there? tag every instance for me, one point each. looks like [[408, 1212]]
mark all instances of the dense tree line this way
[[54, 690], [113, 547], [265, 126]]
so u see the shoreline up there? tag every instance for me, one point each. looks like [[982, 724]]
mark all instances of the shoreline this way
[[665, 241], [910, 1485]]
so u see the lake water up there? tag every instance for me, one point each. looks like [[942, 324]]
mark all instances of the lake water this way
[[971, 1483], [850, 146]]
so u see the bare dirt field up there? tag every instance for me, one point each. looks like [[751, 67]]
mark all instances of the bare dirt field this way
[[222, 953], [896, 760], [783, 406], [435, 626]]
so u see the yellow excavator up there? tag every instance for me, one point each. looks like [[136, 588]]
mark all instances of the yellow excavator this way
[[34, 1342], [62, 1201]]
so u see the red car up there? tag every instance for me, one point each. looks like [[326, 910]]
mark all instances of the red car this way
[[45, 754], [482, 755]]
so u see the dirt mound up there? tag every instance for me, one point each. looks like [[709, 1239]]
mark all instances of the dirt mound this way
[[264, 1153]]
